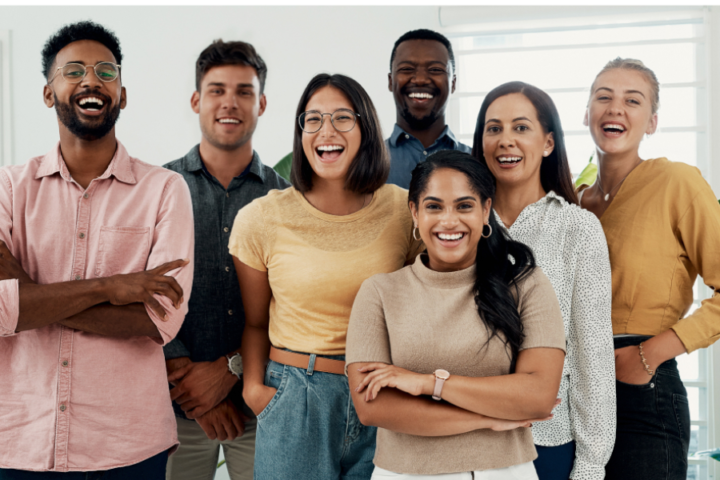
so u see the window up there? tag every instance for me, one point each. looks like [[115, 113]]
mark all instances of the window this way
[[562, 58]]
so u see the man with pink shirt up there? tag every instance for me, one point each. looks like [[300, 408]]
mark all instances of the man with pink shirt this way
[[95, 273]]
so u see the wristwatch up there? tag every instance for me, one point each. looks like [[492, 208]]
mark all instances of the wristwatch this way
[[235, 364], [440, 377]]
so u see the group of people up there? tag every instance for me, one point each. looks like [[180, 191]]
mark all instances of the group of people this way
[[402, 309]]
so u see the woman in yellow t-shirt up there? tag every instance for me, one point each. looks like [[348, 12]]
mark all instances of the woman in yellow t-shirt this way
[[662, 224], [301, 255]]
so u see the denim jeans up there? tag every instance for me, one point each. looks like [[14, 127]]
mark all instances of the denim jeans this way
[[151, 469], [310, 430], [555, 463], [653, 431]]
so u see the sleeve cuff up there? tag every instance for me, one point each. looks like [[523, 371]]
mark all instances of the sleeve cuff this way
[[9, 307], [583, 470]]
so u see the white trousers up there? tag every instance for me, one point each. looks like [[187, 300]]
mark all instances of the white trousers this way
[[524, 471], [197, 456]]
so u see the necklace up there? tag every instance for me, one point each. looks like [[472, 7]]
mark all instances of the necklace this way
[[607, 195]]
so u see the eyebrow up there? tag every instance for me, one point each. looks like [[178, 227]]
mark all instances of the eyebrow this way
[[626, 91], [435, 199], [495, 120]]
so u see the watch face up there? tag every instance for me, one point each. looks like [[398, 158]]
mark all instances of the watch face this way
[[442, 374], [235, 365]]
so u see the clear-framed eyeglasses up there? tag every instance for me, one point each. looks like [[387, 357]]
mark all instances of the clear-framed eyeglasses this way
[[75, 72], [342, 119]]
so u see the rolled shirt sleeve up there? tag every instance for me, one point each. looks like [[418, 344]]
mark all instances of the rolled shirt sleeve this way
[[9, 291], [173, 239]]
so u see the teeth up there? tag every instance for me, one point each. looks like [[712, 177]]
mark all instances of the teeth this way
[[228, 120], [450, 236], [509, 159], [614, 127], [329, 148], [85, 100], [420, 95]]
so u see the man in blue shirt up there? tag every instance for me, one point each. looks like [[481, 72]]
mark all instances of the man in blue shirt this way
[[422, 77], [224, 174]]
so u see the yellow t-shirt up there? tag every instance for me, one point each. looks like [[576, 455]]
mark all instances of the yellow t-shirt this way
[[316, 262]]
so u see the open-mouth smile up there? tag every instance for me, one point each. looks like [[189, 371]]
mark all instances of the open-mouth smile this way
[[91, 105], [329, 153]]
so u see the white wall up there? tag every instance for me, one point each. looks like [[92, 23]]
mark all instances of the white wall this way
[[160, 46]]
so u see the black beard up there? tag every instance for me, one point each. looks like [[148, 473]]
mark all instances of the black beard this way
[[69, 117], [416, 123]]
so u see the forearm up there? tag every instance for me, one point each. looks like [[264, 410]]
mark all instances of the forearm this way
[[255, 352], [42, 305], [400, 412], [661, 348], [503, 396], [114, 321]]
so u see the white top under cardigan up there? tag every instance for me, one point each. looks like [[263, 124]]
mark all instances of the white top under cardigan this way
[[570, 247]]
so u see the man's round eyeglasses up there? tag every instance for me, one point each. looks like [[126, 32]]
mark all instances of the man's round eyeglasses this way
[[75, 72], [342, 119]]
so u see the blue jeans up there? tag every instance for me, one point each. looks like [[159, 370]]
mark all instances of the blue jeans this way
[[555, 463], [310, 430], [653, 426], [151, 469]]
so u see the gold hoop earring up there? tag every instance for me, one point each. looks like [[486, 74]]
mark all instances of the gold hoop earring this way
[[483, 231], [416, 228]]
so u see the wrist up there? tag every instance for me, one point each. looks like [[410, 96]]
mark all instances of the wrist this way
[[428, 384]]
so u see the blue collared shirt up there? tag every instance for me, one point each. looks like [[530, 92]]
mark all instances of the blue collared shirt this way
[[407, 151], [215, 321]]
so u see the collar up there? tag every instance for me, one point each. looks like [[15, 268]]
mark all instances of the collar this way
[[398, 135], [120, 166], [193, 163]]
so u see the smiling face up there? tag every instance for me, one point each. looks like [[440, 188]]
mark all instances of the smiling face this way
[[450, 218], [88, 109], [421, 81], [229, 104], [619, 113], [514, 142], [330, 152]]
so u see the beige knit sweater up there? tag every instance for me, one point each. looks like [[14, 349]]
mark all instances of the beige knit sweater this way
[[422, 320]]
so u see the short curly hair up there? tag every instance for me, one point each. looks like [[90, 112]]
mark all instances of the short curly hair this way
[[74, 32]]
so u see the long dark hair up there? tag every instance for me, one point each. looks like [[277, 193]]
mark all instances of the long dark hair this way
[[555, 170], [495, 272], [371, 166]]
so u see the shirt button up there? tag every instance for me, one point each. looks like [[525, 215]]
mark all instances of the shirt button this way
[[78, 277], [82, 235], [86, 196], [424, 152], [229, 312], [227, 269], [226, 229], [62, 407], [407, 136], [227, 194], [65, 363]]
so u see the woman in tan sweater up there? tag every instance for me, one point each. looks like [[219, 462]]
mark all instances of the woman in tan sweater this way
[[662, 224], [464, 324]]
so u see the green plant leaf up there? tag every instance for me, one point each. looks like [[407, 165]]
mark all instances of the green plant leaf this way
[[587, 176], [221, 463]]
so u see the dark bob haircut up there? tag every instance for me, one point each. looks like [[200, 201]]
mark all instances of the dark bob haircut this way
[[75, 32], [424, 34], [370, 168], [221, 53], [555, 170]]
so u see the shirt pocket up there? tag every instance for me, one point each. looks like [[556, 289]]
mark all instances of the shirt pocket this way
[[122, 250]]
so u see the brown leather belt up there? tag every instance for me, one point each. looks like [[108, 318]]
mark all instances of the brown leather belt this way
[[301, 360]]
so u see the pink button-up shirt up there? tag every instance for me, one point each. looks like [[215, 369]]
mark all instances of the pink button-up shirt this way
[[70, 400]]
